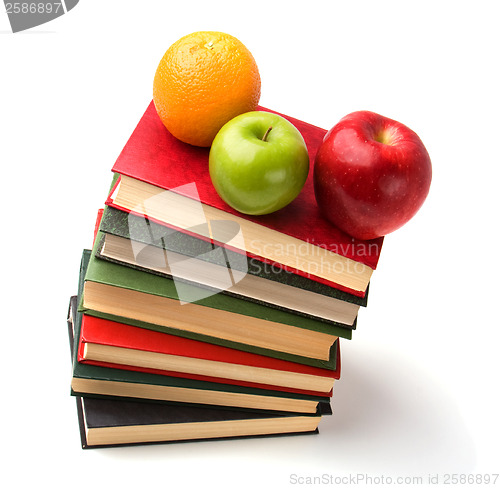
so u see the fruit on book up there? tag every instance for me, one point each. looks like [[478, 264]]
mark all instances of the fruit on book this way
[[258, 162], [204, 80], [371, 175]]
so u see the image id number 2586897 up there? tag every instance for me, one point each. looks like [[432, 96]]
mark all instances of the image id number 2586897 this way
[[33, 7]]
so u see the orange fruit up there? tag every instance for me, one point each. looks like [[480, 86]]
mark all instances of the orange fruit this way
[[204, 80]]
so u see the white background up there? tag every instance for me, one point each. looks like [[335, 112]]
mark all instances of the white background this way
[[419, 392]]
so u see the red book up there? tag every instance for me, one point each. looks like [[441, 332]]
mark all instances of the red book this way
[[320, 251], [112, 344]]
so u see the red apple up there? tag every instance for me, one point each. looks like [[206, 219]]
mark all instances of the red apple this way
[[371, 175]]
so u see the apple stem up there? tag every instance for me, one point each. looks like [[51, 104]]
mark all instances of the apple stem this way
[[266, 134]]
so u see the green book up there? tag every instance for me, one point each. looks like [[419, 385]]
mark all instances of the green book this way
[[99, 381], [125, 294]]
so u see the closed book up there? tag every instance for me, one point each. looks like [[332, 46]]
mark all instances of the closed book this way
[[115, 291], [112, 344], [111, 423], [134, 241], [88, 380], [168, 181]]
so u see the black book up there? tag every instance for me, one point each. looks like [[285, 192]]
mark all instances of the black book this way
[[112, 423]]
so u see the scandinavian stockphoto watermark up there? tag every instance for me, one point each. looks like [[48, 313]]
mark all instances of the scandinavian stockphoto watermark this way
[[28, 14], [365, 479], [320, 265]]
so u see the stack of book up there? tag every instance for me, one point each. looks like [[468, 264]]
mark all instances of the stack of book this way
[[193, 321]]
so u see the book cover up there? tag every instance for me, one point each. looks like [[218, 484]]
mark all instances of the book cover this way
[[102, 381], [153, 156], [112, 344]]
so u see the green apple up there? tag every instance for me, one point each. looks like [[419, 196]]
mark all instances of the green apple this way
[[258, 162]]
